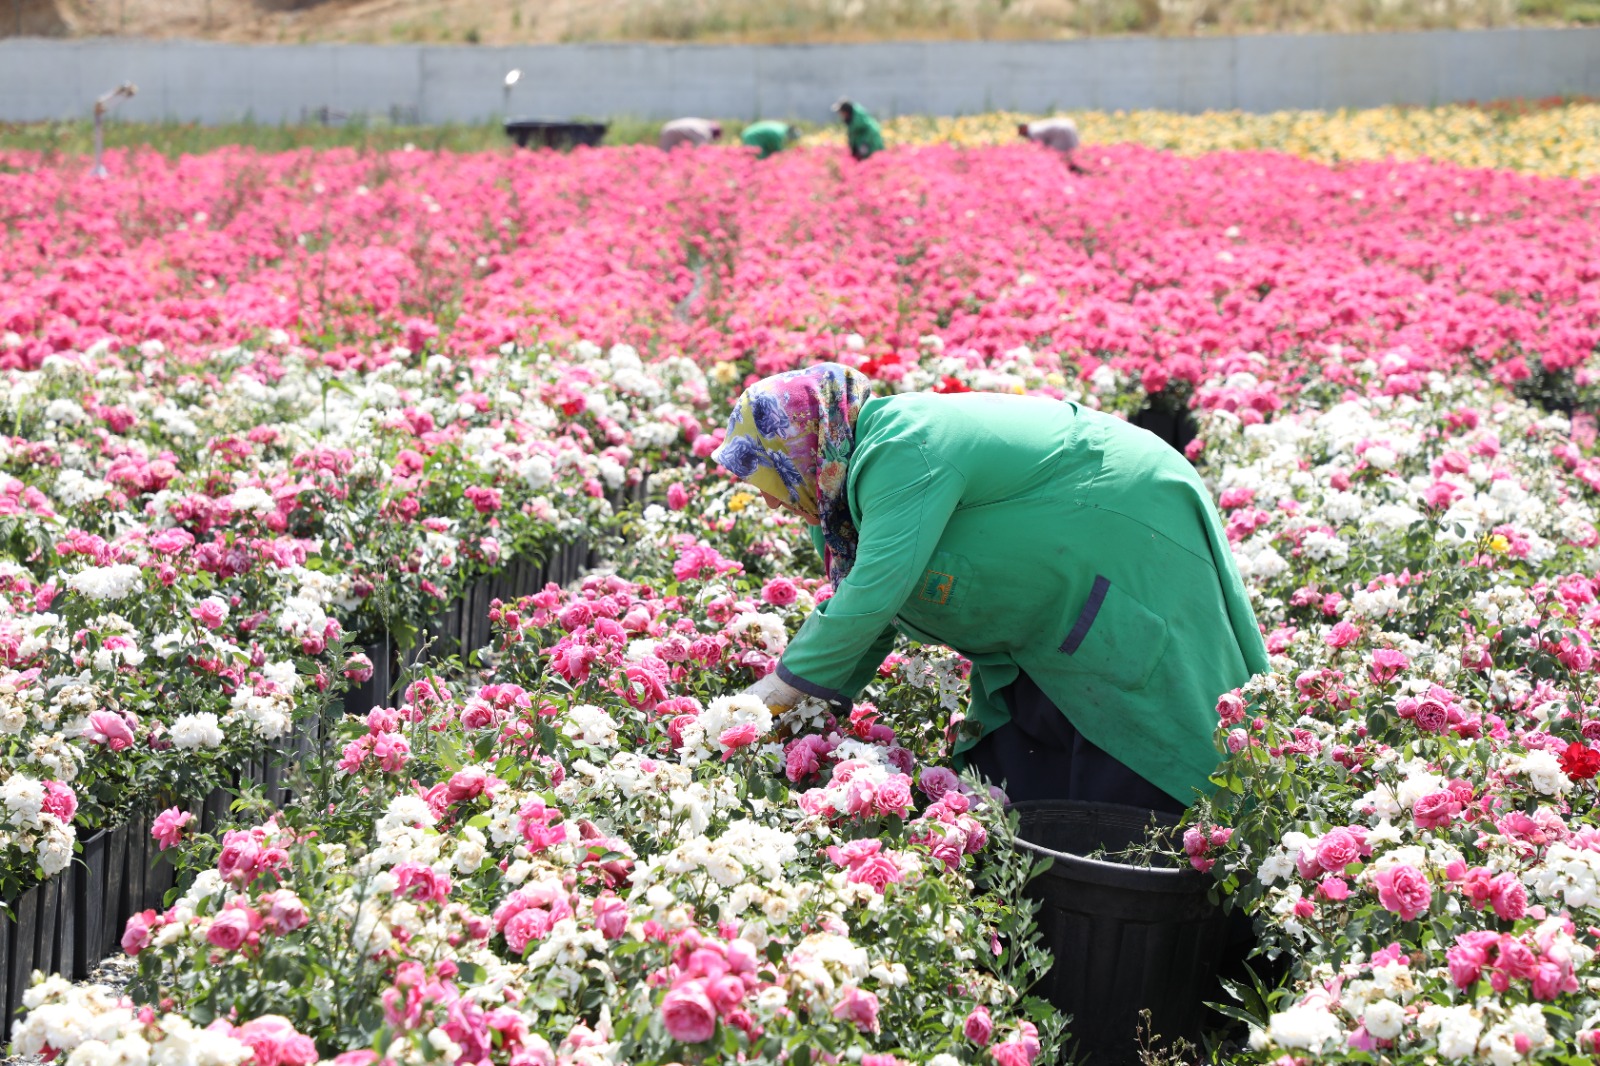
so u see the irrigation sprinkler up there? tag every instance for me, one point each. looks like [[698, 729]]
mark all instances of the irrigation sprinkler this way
[[105, 103], [512, 77]]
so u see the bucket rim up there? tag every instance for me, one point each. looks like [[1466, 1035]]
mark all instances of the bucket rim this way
[[1173, 879]]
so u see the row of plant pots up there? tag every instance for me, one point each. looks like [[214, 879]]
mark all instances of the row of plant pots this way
[[70, 923]]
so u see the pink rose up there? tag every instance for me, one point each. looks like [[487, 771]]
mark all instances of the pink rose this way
[[60, 800], [1509, 898], [275, 1042], [894, 795], [468, 784], [1013, 1053], [677, 496], [168, 826], [286, 911], [1436, 810], [421, 882], [860, 1007], [688, 1014], [1403, 889], [978, 1026], [725, 993], [526, 926], [949, 848], [136, 934], [610, 916], [1551, 978], [804, 756], [392, 751], [239, 858], [210, 612], [936, 781], [229, 929], [1333, 888], [1432, 716], [1342, 635], [735, 737], [879, 871], [1336, 850], [110, 729], [358, 668], [779, 592]]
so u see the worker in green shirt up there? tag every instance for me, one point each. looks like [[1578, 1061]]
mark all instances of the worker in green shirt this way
[[1076, 560], [860, 128], [769, 136]]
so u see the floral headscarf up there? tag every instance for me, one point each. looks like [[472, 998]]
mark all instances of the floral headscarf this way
[[791, 435]]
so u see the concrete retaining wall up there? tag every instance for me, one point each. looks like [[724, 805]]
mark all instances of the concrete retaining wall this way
[[214, 83]]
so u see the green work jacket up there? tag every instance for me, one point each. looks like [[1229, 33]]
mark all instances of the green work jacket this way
[[1038, 536], [768, 136], [864, 135]]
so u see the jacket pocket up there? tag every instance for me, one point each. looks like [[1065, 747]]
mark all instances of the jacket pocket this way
[[943, 584], [1116, 637]]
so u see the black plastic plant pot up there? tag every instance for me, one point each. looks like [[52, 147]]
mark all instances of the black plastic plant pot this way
[[24, 943], [1125, 939], [89, 890], [7, 935], [554, 133]]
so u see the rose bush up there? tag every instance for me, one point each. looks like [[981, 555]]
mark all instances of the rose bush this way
[[260, 409]]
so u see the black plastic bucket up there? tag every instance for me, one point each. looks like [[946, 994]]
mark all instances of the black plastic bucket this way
[[1125, 938]]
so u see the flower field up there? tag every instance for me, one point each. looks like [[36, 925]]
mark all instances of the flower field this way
[[263, 413], [1558, 140]]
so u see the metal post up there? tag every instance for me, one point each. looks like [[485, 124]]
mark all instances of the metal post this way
[[99, 170], [512, 77], [105, 103]]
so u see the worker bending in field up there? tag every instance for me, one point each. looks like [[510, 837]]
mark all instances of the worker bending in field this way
[[861, 129], [1076, 560], [1060, 134], [692, 132], [771, 137]]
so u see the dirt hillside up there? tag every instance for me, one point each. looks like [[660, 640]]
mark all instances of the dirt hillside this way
[[758, 21]]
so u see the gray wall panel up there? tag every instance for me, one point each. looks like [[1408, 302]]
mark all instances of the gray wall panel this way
[[1276, 73], [206, 82]]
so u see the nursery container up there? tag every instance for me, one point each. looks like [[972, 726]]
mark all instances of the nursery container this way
[[22, 943], [552, 133], [1125, 938], [88, 900]]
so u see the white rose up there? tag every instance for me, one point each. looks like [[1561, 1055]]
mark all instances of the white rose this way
[[192, 731], [1384, 1019]]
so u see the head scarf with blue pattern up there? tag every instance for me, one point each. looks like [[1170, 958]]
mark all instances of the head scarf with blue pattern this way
[[791, 435]]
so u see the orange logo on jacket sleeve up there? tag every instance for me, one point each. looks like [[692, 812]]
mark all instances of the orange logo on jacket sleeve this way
[[936, 586]]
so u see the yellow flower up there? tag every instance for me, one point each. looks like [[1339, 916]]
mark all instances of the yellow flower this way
[[739, 501], [1562, 141], [1500, 543], [724, 373]]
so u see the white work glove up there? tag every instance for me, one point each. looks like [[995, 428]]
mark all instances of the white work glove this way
[[775, 692]]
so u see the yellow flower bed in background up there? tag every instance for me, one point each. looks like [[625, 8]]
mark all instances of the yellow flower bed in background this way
[[1561, 140]]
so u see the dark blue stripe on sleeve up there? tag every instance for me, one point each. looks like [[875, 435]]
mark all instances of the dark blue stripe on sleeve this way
[[833, 697]]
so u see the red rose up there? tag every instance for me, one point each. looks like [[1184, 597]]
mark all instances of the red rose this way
[[1580, 762]]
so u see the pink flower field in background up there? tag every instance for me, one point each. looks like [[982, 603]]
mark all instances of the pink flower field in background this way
[[1167, 268]]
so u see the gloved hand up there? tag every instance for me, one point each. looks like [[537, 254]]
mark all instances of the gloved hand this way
[[775, 692]]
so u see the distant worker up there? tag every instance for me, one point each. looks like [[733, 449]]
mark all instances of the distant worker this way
[[861, 128], [769, 136], [689, 131], [1057, 133]]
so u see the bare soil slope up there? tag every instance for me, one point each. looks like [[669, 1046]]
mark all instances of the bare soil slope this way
[[759, 21]]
